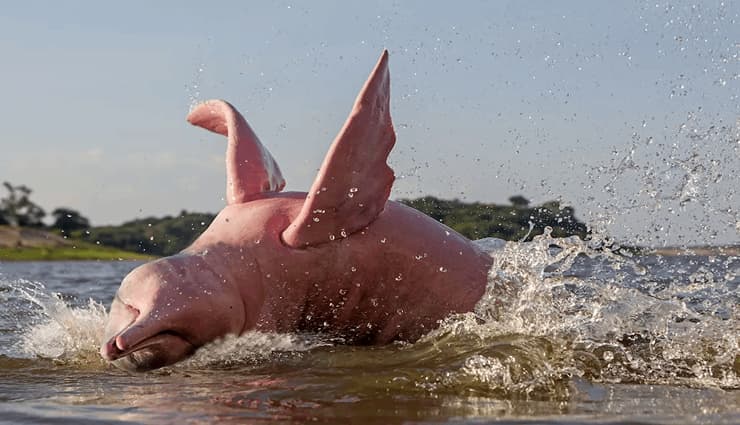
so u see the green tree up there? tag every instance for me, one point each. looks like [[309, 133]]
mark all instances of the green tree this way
[[168, 235], [519, 201], [478, 220], [17, 209], [67, 220], [159, 236]]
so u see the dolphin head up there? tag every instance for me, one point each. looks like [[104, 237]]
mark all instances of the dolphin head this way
[[166, 309]]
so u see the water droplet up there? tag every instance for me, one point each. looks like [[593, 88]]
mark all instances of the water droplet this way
[[443, 269], [382, 240], [608, 356]]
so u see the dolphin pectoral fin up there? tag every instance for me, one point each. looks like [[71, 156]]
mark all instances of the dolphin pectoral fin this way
[[250, 169], [354, 181]]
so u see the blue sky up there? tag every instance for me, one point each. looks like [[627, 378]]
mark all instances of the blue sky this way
[[628, 111]]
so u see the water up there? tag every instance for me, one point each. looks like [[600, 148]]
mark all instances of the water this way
[[575, 335]]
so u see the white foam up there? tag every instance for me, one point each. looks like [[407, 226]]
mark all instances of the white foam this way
[[60, 331], [539, 323]]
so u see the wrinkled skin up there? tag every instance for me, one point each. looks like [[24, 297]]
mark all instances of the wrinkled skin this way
[[340, 260], [394, 280], [165, 309]]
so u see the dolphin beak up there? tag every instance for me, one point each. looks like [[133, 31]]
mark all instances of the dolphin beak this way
[[121, 317], [139, 343], [109, 351]]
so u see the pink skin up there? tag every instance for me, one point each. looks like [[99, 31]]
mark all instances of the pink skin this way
[[341, 259]]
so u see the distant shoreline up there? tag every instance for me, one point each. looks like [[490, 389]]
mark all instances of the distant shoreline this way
[[79, 253], [28, 244]]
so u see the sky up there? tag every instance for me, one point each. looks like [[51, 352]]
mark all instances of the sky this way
[[626, 111]]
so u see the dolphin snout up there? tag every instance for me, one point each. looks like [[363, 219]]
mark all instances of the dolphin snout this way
[[121, 317], [110, 350], [116, 346]]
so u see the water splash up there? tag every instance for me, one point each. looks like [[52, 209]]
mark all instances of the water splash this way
[[58, 331], [564, 309], [556, 310], [670, 188], [251, 348], [72, 335]]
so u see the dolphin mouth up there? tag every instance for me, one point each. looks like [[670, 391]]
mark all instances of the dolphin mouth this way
[[111, 352]]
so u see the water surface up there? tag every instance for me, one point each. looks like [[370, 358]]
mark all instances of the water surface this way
[[565, 334]]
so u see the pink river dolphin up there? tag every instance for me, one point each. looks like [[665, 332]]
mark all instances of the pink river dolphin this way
[[341, 259]]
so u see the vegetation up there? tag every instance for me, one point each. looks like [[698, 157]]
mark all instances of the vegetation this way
[[23, 235], [67, 220], [168, 235], [155, 236], [17, 209], [78, 251], [478, 220]]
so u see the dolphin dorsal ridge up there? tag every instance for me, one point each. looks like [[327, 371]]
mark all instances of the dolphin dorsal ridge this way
[[250, 169], [354, 181]]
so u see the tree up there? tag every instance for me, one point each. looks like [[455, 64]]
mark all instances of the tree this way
[[67, 220], [518, 201], [159, 236], [478, 220], [18, 210]]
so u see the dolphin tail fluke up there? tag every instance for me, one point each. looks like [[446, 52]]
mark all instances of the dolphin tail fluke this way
[[250, 169], [354, 181]]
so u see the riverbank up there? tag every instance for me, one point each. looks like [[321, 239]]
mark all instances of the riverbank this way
[[28, 244]]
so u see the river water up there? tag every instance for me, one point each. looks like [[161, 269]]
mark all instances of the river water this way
[[565, 334]]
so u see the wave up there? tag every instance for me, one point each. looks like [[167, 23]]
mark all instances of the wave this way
[[556, 309]]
